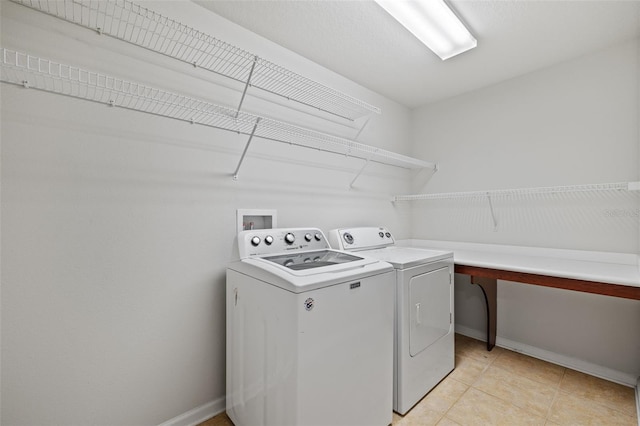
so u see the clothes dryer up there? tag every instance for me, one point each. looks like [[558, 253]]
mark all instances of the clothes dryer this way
[[424, 310], [309, 333]]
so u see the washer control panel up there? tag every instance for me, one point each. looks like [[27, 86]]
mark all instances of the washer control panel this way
[[260, 242], [363, 238]]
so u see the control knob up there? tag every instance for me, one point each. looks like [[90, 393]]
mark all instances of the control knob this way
[[307, 237], [268, 240], [318, 236], [289, 238], [348, 238], [255, 241]]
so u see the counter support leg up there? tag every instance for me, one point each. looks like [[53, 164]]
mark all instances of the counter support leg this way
[[489, 288]]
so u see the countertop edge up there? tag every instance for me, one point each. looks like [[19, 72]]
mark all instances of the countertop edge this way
[[602, 267]]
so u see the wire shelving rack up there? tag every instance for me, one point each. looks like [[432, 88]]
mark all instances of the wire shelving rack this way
[[132, 23], [618, 186], [43, 74], [521, 192]]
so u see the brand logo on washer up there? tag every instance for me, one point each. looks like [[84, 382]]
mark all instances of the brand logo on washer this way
[[308, 304]]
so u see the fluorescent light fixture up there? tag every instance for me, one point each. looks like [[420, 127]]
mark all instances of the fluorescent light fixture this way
[[433, 23]]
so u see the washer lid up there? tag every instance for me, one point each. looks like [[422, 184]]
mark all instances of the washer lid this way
[[309, 260], [406, 257], [299, 279]]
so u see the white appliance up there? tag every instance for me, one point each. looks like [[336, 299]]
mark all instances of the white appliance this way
[[309, 332], [424, 327]]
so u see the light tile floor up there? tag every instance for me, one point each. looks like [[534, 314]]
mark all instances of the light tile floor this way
[[502, 387]]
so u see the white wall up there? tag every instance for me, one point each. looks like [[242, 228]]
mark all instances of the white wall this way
[[117, 226], [573, 123]]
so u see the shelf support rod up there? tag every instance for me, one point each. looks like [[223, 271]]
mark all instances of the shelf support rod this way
[[359, 173], [362, 128], [248, 83], [493, 213], [246, 147]]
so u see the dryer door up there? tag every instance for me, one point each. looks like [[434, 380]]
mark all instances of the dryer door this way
[[430, 307]]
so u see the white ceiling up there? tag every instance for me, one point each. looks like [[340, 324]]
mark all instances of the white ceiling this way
[[360, 41]]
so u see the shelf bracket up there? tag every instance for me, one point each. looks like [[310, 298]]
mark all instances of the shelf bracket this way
[[493, 213], [359, 173], [247, 84], [362, 128], [246, 147]]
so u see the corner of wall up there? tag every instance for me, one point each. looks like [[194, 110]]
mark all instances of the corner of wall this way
[[638, 399], [638, 138]]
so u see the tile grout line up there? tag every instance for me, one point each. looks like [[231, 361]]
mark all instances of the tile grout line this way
[[456, 401], [510, 372], [540, 382], [558, 391], [555, 396], [598, 403], [469, 386]]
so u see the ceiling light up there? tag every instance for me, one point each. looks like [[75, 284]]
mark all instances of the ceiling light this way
[[433, 23]]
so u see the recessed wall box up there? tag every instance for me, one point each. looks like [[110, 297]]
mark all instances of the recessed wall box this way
[[256, 219]]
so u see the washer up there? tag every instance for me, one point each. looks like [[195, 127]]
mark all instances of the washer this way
[[309, 332], [424, 321]]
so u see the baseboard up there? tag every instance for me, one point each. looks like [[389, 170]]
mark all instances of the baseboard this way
[[471, 332], [198, 414], [555, 358]]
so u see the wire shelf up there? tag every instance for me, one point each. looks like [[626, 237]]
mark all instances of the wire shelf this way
[[127, 21], [619, 186], [43, 74]]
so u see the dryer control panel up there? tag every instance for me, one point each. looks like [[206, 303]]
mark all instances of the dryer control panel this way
[[261, 242], [363, 238]]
